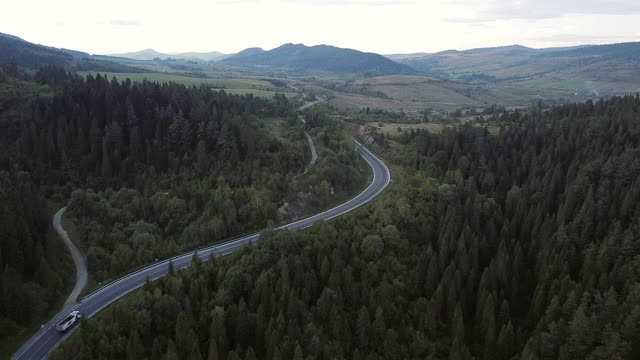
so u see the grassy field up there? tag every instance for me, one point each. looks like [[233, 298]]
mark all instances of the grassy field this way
[[409, 94], [275, 127], [257, 92], [417, 89], [414, 94], [394, 129], [242, 86]]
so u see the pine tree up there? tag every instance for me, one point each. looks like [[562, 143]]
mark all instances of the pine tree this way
[[195, 352], [212, 353], [135, 348], [363, 325]]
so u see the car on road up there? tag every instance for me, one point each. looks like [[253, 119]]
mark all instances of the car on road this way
[[69, 321]]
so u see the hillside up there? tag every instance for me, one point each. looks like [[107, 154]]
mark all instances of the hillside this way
[[322, 58], [15, 50], [588, 70], [400, 57], [29, 55], [150, 54]]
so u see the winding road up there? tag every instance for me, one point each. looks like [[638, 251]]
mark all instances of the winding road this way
[[48, 338], [81, 267], [314, 154]]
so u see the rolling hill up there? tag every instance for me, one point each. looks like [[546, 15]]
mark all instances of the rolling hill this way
[[20, 52], [320, 59], [597, 70], [400, 57], [32, 56]]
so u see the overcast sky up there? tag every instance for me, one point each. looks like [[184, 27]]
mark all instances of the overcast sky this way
[[382, 26]]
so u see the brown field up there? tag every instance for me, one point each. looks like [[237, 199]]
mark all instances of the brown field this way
[[419, 89], [413, 94], [396, 80], [355, 101], [410, 94]]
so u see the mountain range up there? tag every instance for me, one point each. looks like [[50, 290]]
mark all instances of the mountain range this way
[[589, 69], [321, 58], [150, 54], [611, 68], [33, 56]]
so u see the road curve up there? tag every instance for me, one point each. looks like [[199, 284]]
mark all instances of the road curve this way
[[314, 154], [78, 260], [48, 338]]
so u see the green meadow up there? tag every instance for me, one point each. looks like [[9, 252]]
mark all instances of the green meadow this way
[[238, 86]]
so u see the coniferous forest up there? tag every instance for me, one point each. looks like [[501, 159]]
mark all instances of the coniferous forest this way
[[36, 272], [518, 245], [147, 170]]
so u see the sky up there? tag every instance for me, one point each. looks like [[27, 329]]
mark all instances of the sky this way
[[381, 26]]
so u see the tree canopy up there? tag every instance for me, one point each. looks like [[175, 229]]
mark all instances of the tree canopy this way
[[516, 245]]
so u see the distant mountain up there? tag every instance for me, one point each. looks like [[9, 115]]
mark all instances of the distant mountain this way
[[598, 69], [206, 56], [150, 54], [322, 58], [11, 37], [29, 55], [451, 63], [400, 57], [23, 53], [248, 52]]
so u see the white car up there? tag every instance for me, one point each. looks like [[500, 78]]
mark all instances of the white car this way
[[69, 321]]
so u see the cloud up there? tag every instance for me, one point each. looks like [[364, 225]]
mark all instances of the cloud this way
[[493, 10], [124, 22], [235, 2], [587, 39], [354, 2]]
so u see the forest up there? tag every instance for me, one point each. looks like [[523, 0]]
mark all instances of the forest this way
[[122, 229], [517, 245], [148, 170], [36, 273]]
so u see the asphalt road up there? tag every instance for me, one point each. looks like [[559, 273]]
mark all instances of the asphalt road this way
[[48, 338]]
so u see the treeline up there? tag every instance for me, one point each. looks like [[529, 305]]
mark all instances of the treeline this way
[[96, 132], [521, 245], [195, 166]]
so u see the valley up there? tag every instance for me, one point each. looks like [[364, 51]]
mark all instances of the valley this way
[[262, 182]]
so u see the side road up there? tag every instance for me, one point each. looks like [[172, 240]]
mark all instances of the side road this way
[[314, 154], [78, 260], [81, 282], [39, 346]]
